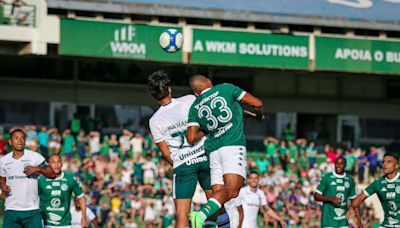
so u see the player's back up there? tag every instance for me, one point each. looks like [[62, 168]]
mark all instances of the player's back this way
[[169, 124]]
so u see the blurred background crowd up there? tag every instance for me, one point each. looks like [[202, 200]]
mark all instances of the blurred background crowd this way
[[128, 184]]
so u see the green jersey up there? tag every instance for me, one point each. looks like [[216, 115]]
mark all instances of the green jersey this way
[[341, 186], [271, 149], [388, 192], [55, 198], [217, 111]]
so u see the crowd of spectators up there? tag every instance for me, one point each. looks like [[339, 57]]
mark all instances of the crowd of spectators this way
[[128, 184]]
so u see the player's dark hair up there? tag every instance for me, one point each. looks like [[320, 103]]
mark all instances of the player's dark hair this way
[[158, 84], [17, 130], [254, 172], [392, 154], [341, 157]]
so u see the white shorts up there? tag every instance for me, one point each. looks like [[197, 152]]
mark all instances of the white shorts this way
[[227, 159]]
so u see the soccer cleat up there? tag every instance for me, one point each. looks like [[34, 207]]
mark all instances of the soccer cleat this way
[[195, 219]]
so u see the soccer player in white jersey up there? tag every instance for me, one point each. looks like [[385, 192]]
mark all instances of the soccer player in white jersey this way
[[18, 180], [76, 215], [168, 127], [250, 200]]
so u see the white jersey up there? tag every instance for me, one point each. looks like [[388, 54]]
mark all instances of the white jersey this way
[[24, 190], [169, 124], [251, 203], [76, 217]]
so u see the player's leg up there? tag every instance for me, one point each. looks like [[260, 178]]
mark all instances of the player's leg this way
[[10, 219], [32, 219], [183, 188], [228, 169]]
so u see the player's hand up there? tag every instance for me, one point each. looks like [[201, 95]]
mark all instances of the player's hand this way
[[84, 223], [29, 170], [350, 213], [5, 189], [282, 222], [336, 200]]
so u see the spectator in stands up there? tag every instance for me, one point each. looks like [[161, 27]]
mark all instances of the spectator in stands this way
[[283, 154], [68, 145], [2, 145], [311, 154], [125, 143], [137, 143], [271, 148], [43, 137], [362, 162], [373, 162]]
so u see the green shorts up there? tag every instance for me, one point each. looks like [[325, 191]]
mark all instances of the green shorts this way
[[22, 219], [186, 176]]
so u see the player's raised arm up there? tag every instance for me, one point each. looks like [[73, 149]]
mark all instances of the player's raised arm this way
[[256, 103]]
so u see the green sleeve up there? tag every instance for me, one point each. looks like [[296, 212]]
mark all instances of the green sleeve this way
[[76, 188], [237, 93], [371, 189], [352, 192], [322, 186], [193, 117]]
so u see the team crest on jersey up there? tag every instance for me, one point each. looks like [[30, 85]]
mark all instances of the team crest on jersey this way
[[56, 202], [398, 190], [347, 184], [392, 206], [64, 187]]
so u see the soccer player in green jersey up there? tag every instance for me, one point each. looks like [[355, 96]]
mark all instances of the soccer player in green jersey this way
[[335, 190], [218, 113], [387, 188], [56, 194]]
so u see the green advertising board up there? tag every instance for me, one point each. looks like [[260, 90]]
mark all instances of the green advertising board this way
[[113, 40], [357, 55], [249, 49]]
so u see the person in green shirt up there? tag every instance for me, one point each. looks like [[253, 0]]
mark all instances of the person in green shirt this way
[[75, 125], [351, 161], [283, 155], [335, 190], [311, 154], [68, 144], [387, 187], [55, 196], [218, 113], [288, 133], [270, 144]]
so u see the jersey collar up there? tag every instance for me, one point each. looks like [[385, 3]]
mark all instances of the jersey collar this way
[[60, 177], [394, 179], [339, 176], [205, 90]]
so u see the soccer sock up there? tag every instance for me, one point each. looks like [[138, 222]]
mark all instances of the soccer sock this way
[[210, 224], [223, 221], [211, 207]]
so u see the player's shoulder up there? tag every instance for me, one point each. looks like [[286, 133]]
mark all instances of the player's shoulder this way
[[186, 98], [6, 158]]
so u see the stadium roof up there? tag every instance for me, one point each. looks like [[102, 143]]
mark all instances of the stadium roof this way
[[368, 14]]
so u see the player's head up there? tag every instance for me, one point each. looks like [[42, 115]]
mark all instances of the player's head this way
[[55, 163], [158, 85], [253, 178], [340, 165], [17, 139], [198, 83], [390, 163]]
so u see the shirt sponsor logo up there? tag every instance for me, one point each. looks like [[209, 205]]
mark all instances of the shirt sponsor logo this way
[[54, 217], [392, 221], [390, 186], [340, 188], [390, 195], [55, 192], [392, 206], [196, 160], [339, 181], [55, 202], [56, 184]]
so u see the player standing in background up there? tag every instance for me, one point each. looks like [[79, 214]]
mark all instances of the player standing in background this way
[[217, 112], [76, 215], [168, 127], [335, 190], [250, 200], [18, 181], [387, 188], [56, 194]]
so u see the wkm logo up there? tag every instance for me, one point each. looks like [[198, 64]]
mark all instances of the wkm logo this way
[[124, 44]]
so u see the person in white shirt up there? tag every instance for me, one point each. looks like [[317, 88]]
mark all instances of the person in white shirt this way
[[94, 143], [18, 181], [76, 215], [250, 200], [137, 143], [149, 171]]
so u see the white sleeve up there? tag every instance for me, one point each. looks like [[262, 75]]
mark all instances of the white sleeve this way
[[156, 132], [2, 169], [263, 199], [38, 159], [90, 215]]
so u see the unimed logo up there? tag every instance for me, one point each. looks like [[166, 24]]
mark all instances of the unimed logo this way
[[124, 44]]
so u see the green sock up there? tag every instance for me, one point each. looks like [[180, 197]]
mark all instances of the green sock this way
[[211, 207]]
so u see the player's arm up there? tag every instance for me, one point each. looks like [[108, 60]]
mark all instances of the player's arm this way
[[42, 169], [256, 103], [163, 146], [5, 189], [82, 204], [355, 203], [271, 213], [326, 199], [241, 215], [194, 134]]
